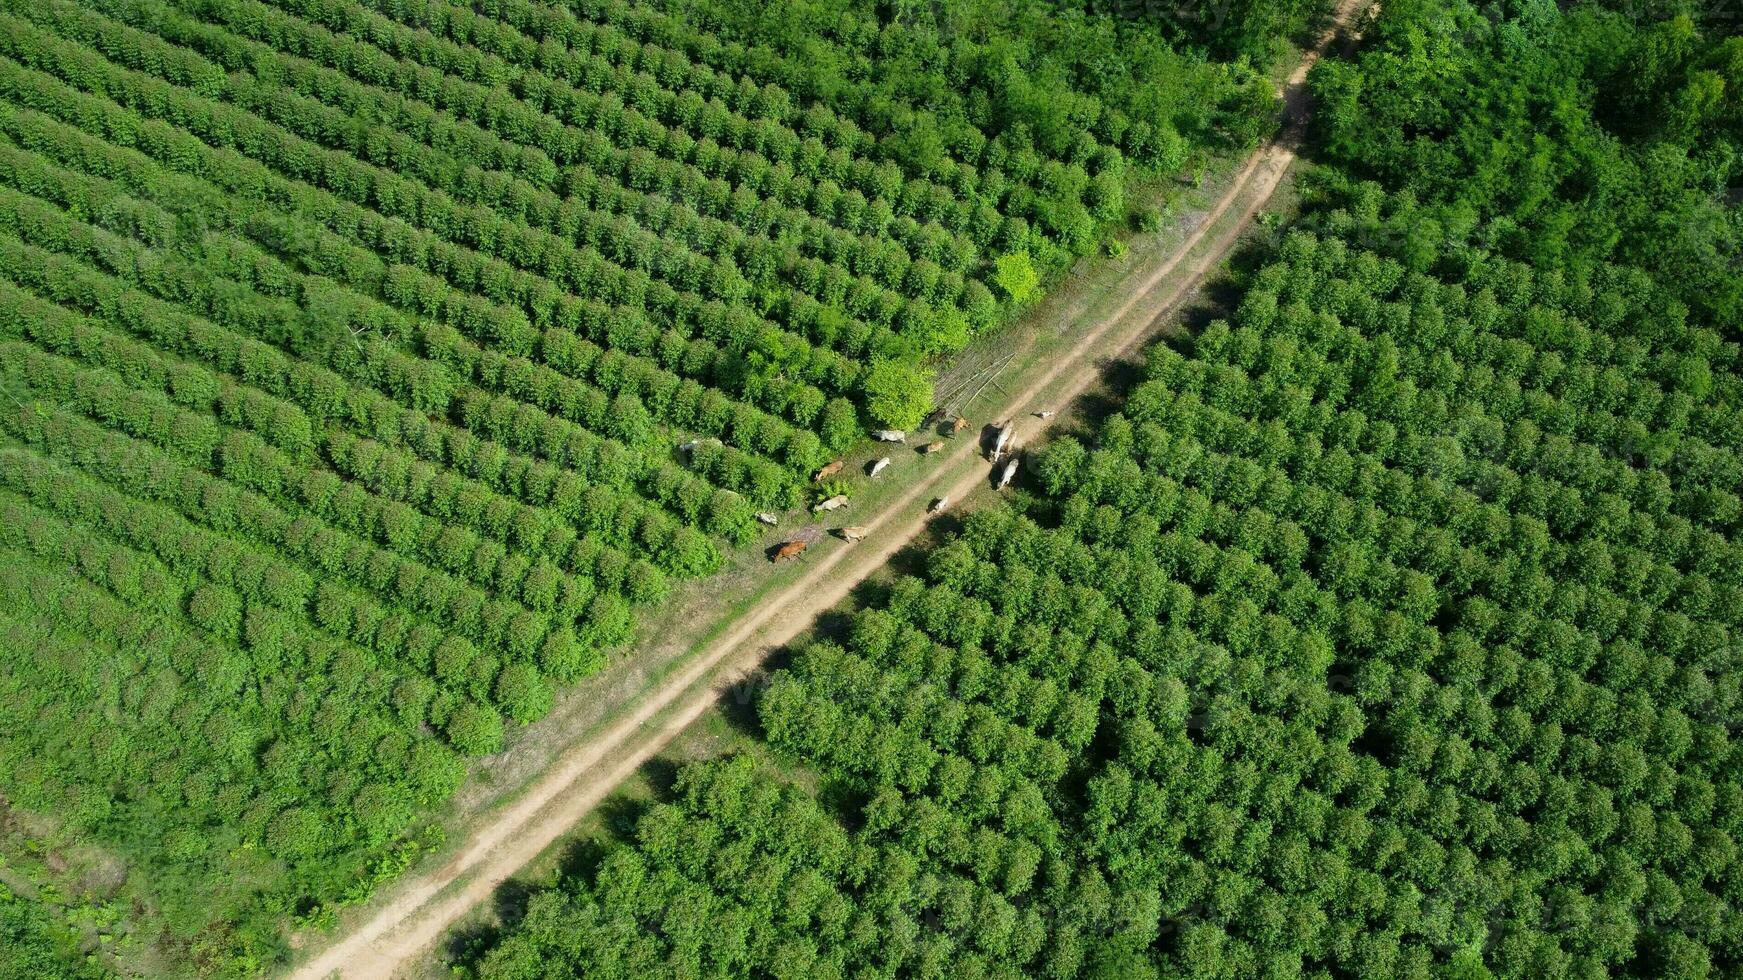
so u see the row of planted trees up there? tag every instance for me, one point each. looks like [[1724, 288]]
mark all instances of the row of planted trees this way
[[1388, 627], [346, 348]]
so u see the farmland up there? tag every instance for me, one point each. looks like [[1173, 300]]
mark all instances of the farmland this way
[[348, 349], [1385, 626], [372, 372]]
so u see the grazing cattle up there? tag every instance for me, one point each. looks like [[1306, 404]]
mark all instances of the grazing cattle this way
[[833, 503], [854, 533], [878, 467], [789, 551], [829, 471], [1002, 439]]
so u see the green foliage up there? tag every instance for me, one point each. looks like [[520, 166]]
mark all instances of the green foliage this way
[[1015, 274], [295, 833], [1254, 29], [474, 729], [1386, 627], [33, 944], [522, 693], [1212, 654], [834, 486], [839, 426], [1060, 465], [897, 395], [1570, 138], [942, 334], [347, 345]]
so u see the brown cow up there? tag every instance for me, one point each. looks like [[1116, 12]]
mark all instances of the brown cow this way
[[829, 470], [790, 550]]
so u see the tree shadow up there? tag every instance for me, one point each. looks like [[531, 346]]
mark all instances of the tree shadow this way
[[909, 560], [738, 702], [579, 860]]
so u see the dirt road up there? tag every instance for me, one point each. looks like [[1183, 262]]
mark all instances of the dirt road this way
[[421, 909]]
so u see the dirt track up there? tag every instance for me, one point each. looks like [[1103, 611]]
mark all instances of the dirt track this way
[[423, 907]]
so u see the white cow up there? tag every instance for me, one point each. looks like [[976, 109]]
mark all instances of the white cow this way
[[1002, 440]]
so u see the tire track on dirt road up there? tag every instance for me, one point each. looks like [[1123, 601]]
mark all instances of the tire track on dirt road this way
[[420, 909]]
